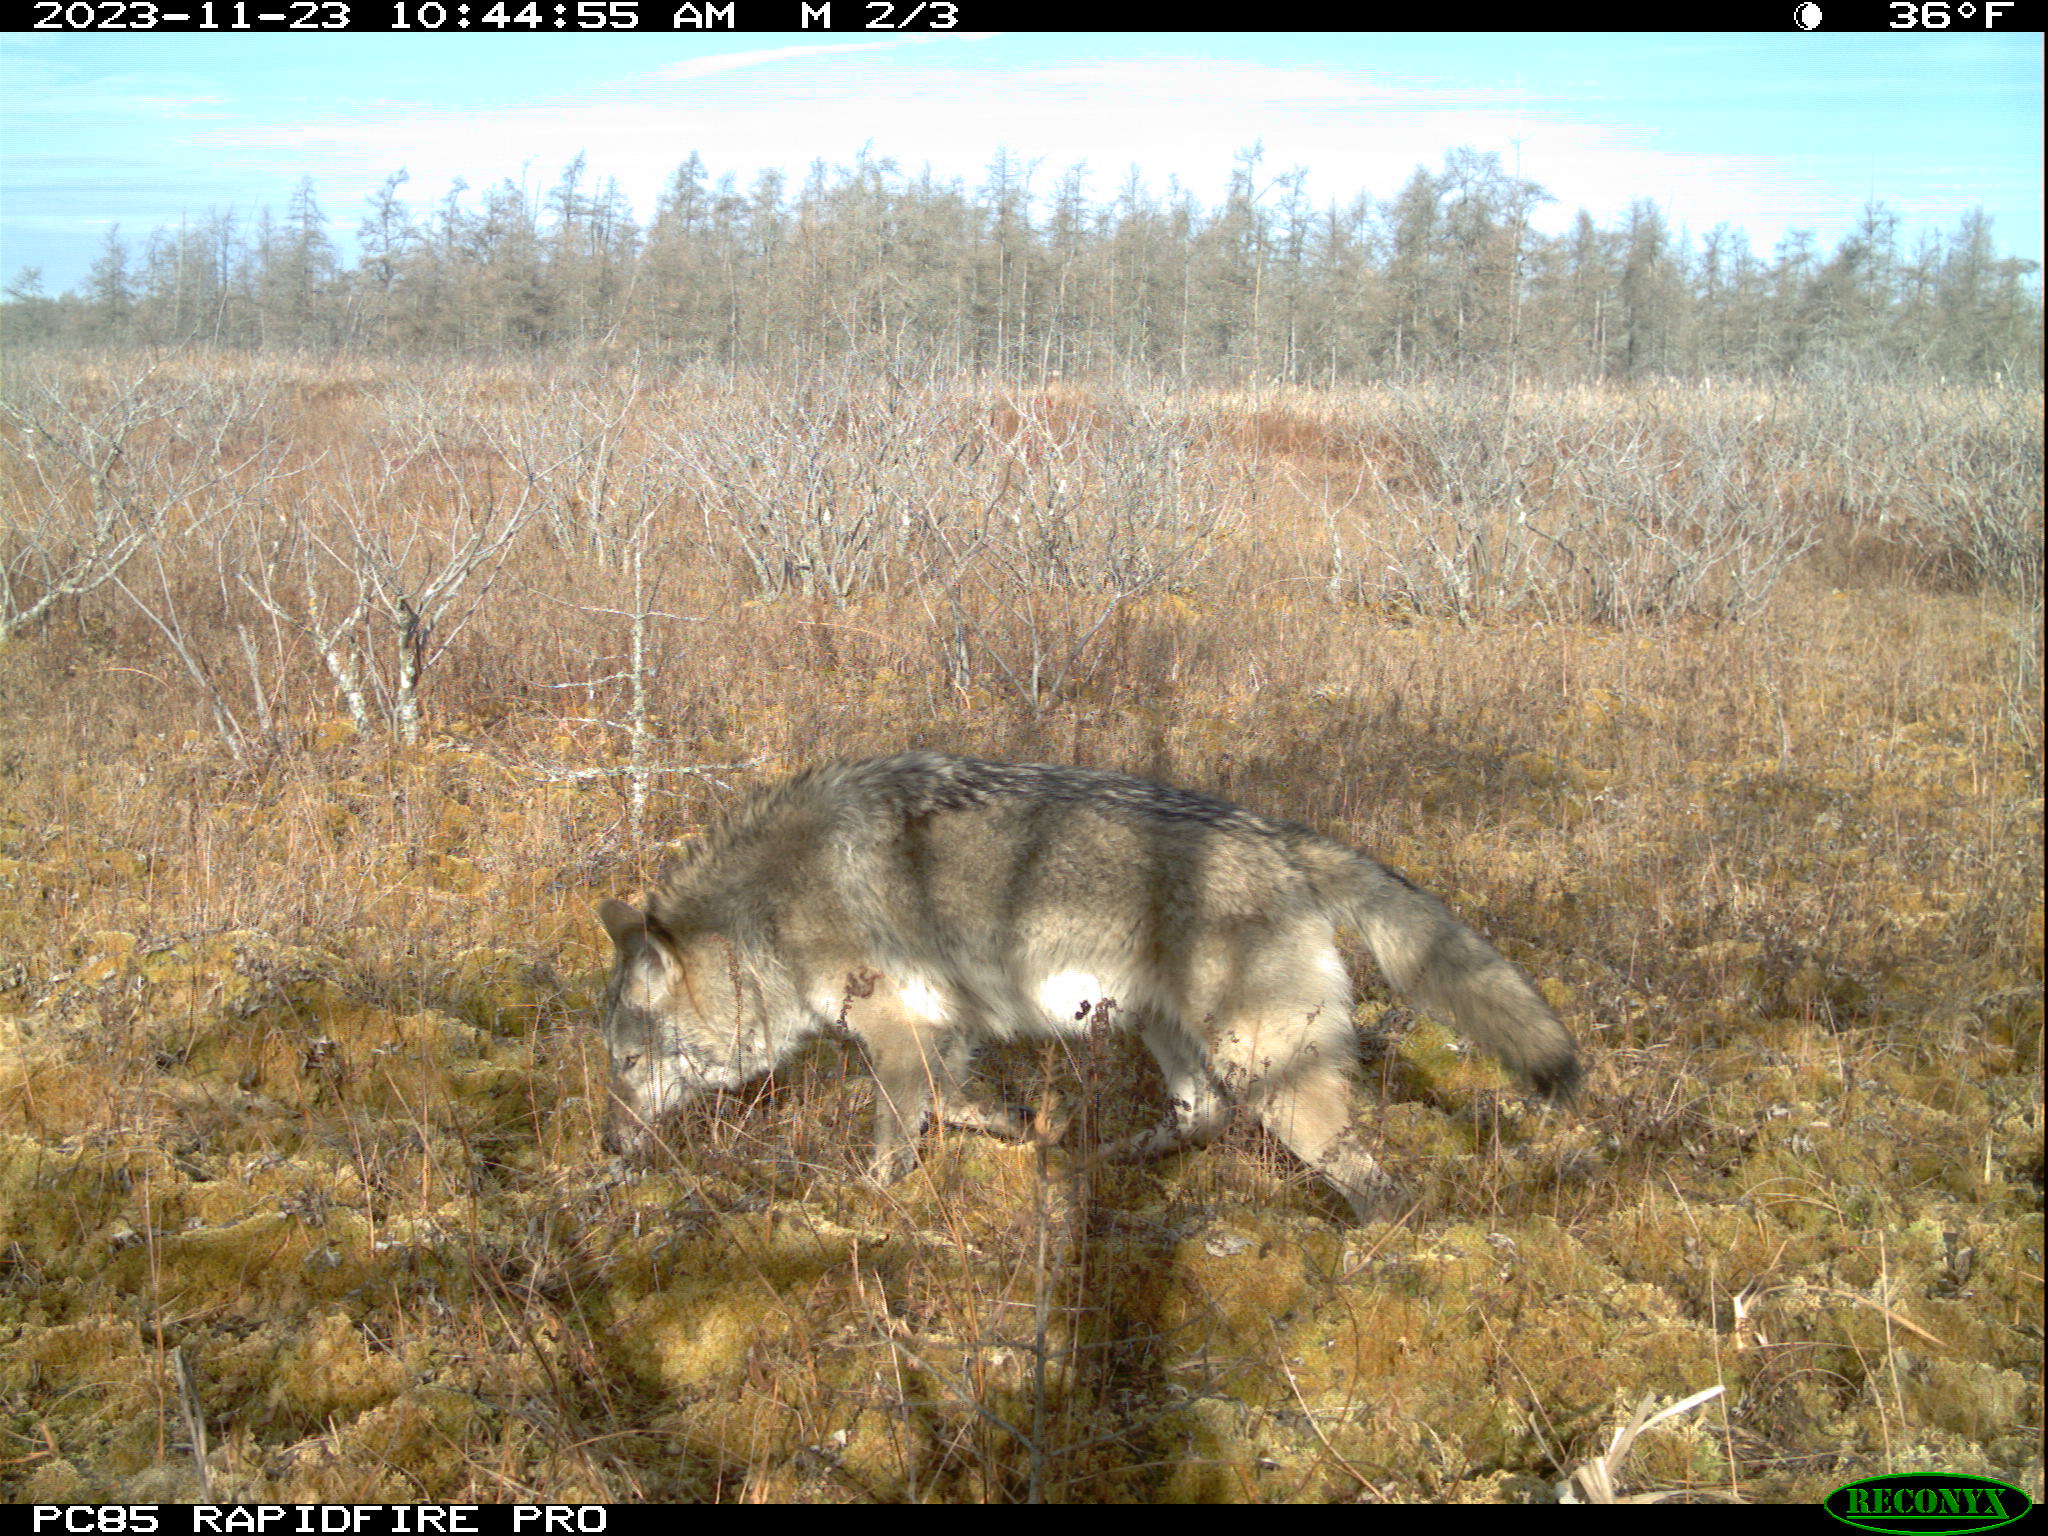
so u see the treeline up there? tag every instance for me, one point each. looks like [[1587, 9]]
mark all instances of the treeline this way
[[1030, 281]]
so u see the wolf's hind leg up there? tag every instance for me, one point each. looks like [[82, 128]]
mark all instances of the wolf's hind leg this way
[[953, 1105], [1296, 1078], [1310, 1113], [1002, 1120], [1200, 1112]]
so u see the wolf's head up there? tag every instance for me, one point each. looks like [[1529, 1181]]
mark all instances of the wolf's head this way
[[681, 1017]]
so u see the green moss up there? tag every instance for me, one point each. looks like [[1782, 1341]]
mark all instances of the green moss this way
[[330, 1371]]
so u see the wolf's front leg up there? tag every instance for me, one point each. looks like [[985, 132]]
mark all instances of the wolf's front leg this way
[[902, 1098], [906, 1038]]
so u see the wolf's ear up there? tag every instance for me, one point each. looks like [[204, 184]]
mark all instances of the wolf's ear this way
[[635, 933], [627, 925]]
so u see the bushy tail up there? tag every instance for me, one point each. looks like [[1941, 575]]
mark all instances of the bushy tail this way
[[1445, 966]]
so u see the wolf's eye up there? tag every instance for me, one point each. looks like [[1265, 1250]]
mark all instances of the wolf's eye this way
[[629, 1063]]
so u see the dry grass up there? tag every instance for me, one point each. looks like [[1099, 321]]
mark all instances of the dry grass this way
[[296, 1078]]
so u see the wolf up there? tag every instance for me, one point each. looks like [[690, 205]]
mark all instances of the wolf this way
[[930, 903]]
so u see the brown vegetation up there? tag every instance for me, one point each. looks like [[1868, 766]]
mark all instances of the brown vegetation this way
[[1719, 710]]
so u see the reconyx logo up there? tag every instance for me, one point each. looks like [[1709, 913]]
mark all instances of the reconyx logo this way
[[1927, 1501]]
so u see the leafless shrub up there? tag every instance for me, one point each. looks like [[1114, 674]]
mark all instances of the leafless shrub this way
[[403, 533], [1967, 491], [580, 439], [1618, 518], [820, 489], [647, 558], [1086, 510], [1667, 523], [104, 462], [1453, 535], [1126, 495], [1078, 513], [1022, 527]]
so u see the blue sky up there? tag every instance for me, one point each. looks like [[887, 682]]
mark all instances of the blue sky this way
[[1767, 132]]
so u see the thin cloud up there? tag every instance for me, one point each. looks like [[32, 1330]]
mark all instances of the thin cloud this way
[[718, 64], [114, 96]]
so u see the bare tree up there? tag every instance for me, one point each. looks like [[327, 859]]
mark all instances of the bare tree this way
[[643, 545], [408, 541], [288, 569], [103, 465]]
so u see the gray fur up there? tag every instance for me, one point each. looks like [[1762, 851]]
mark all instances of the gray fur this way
[[933, 902]]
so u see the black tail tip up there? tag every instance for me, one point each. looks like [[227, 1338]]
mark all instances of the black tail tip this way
[[1559, 1080]]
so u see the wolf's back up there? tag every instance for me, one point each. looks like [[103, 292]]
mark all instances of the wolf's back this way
[[919, 784], [1422, 948], [1444, 965]]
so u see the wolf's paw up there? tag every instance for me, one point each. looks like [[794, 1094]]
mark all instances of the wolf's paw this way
[[886, 1168]]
